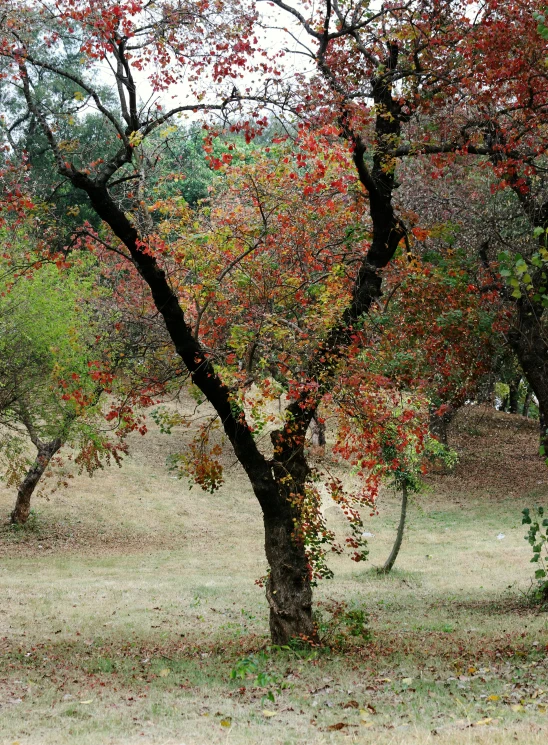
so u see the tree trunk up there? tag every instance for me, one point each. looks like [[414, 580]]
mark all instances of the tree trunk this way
[[439, 423], [288, 589], [527, 402], [399, 536], [289, 586], [513, 396], [21, 511], [318, 437]]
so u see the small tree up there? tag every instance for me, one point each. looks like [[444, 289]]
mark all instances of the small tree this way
[[58, 369], [407, 479]]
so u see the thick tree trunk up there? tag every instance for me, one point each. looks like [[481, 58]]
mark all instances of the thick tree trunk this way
[[399, 536], [288, 589], [21, 511]]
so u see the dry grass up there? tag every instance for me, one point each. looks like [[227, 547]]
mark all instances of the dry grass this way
[[124, 612]]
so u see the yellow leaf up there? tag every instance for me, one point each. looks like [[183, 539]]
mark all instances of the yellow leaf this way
[[471, 670], [78, 95], [135, 138], [165, 672], [89, 701], [364, 714], [267, 713], [493, 698], [517, 707], [226, 722], [407, 681], [487, 720]]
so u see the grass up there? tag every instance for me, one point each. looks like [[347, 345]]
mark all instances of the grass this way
[[125, 610]]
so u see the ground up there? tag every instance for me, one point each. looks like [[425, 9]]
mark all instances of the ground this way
[[129, 613]]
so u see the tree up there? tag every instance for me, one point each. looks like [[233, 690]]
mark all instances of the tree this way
[[58, 368], [385, 82]]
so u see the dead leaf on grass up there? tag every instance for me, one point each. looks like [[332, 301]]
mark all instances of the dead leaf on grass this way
[[165, 672], [337, 726], [351, 705], [267, 713], [226, 722]]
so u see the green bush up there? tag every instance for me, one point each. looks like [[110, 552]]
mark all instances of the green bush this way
[[537, 537]]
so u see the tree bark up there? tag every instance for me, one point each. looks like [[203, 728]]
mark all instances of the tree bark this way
[[288, 588], [399, 536], [46, 451]]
